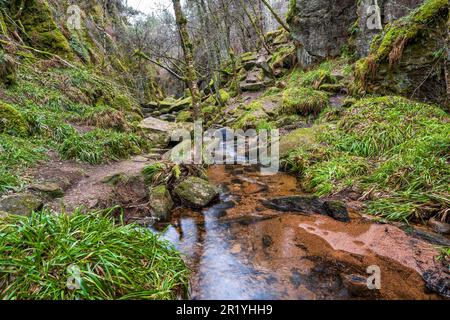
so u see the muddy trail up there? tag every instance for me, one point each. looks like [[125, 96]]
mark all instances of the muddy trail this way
[[239, 249]]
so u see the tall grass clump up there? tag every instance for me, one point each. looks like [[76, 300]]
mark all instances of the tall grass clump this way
[[85, 257], [102, 146]]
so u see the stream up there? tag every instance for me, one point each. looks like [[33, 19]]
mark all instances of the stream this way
[[238, 249]]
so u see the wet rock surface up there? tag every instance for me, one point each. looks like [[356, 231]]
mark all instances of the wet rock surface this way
[[308, 204], [160, 202]]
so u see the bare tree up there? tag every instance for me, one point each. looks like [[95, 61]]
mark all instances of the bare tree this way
[[188, 49]]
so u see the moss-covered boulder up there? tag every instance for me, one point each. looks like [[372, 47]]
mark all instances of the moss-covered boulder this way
[[160, 202], [410, 58], [40, 27], [303, 137], [11, 121], [21, 204], [304, 101], [196, 192]]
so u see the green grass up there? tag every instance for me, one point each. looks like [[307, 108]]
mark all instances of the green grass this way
[[44, 106], [16, 154], [106, 260], [397, 149], [102, 146]]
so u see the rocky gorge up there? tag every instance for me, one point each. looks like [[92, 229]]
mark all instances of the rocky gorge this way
[[359, 95]]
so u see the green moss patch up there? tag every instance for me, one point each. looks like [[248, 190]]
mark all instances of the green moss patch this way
[[303, 101], [11, 121]]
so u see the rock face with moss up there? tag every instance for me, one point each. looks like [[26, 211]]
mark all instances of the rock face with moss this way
[[411, 57], [40, 26], [367, 25], [320, 28]]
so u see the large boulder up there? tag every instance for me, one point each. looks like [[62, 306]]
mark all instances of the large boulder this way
[[196, 192], [160, 202], [320, 28], [159, 131], [21, 204]]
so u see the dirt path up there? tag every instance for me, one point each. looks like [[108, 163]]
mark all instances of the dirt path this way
[[86, 185]]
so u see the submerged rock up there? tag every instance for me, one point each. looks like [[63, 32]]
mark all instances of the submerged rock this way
[[196, 192], [337, 210], [301, 203], [21, 204], [309, 204], [160, 202]]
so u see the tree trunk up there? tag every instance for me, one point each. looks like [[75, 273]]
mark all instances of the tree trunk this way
[[188, 49], [276, 16], [255, 26]]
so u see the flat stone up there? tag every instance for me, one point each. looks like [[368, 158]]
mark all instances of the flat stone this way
[[50, 189], [301, 203]]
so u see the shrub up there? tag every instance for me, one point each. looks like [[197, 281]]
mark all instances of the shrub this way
[[106, 260]]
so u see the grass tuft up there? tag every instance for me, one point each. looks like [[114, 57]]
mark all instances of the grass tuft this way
[[41, 254]]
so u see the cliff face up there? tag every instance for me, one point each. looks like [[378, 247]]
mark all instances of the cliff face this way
[[390, 10], [405, 42], [323, 28], [320, 28]]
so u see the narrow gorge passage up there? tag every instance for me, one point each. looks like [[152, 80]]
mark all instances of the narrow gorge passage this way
[[238, 249]]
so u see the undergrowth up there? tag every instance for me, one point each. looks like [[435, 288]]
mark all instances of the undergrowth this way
[[393, 151], [86, 257]]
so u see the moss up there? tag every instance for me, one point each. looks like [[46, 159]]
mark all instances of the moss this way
[[41, 29], [185, 116], [248, 56], [224, 95], [303, 101], [283, 57], [389, 45], [7, 69], [316, 77], [292, 11], [11, 121]]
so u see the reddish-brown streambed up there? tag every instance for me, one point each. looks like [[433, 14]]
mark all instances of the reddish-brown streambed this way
[[238, 249]]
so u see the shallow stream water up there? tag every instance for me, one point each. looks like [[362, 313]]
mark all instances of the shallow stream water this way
[[238, 249]]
